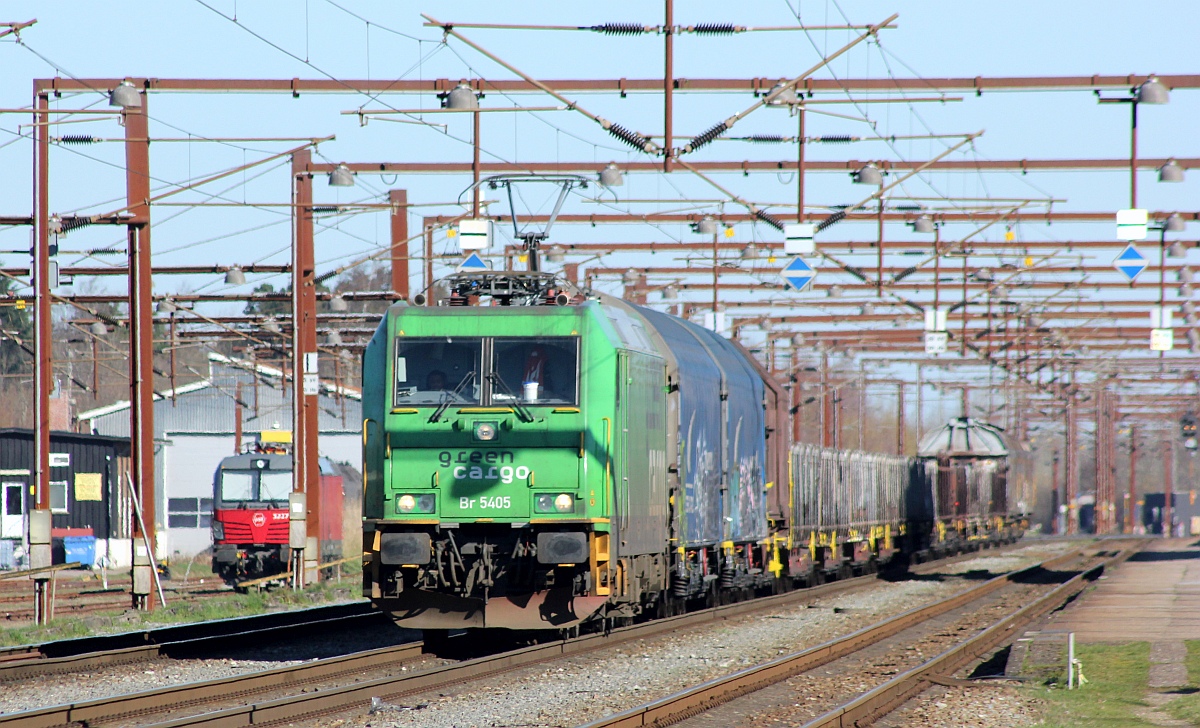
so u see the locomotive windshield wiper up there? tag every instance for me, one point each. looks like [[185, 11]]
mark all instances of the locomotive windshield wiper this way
[[451, 396], [522, 413]]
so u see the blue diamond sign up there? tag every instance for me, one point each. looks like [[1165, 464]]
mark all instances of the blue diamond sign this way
[[472, 263], [1130, 262], [798, 274]]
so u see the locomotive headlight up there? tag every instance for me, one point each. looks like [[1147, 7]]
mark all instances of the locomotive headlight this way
[[564, 503], [551, 503], [485, 431], [218, 531], [416, 503]]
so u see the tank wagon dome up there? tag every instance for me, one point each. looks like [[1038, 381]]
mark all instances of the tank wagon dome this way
[[963, 437]]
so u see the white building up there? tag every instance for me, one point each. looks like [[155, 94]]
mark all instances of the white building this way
[[194, 428]]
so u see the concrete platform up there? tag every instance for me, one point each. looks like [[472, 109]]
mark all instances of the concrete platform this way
[[1153, 597]]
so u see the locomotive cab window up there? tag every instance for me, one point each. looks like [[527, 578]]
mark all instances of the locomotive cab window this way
[[432, 371], [543, 370], [254, 486], [237, 486], [275, 486]]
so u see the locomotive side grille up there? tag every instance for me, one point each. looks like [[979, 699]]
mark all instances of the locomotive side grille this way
[[277, 532]]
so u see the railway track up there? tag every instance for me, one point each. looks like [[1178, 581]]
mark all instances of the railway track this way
[[179, 641], [320, 687], [72, 598], [863, 708]]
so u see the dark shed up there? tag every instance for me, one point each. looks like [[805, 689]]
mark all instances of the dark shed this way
[[85, 494]]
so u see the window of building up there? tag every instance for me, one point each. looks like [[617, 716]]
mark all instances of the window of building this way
[[189, 512], [58, 496], [13, 500]]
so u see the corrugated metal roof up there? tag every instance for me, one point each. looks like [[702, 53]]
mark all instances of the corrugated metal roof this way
[[208, 407]]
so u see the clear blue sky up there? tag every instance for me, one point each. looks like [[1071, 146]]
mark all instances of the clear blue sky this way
[[935, 38]]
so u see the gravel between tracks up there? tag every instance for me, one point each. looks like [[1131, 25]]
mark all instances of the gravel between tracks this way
[[37, 692], [804, 697], [997, 705], [575, 690]]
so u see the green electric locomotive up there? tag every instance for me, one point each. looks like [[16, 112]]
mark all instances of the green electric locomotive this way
[[557, 457]]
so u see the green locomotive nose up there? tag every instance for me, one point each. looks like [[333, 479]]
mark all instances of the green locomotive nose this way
[[472, 483]]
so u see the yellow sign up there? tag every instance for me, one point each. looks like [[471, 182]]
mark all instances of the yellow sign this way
[[88, 487], [20, 304]]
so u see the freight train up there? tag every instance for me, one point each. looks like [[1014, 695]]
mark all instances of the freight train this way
[[537, 456]]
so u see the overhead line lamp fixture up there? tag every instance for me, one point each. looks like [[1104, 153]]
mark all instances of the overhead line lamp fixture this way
[[1174, 223], [98, 328], [611, 176], [341, 176], [461, 98], [333, 338], [750, 252], [1170, 172], [835, 291], [1153, 92], [868, 175], [670, 293], [166, 306], [797, 340], [126, 96], [786, 96], [1176, 250], [235, 277], [271, 326], [924, 224], [868, 309], [556, 254], [629, 277], [337, 303], [706, 226]]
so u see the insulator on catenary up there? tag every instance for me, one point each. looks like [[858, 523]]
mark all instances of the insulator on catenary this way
[[768, 219], [74, 223], [835, 139], [766, 139], [706, 137], [713, 29], [833, 219], [619, 29], [77, 139], [904, 274], [632, 138], [857, 272]]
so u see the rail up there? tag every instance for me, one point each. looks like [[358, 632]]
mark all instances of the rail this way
[[880, 701], [695, 700], [264, 580], [41, 570], [24, 661], [166, 701]]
